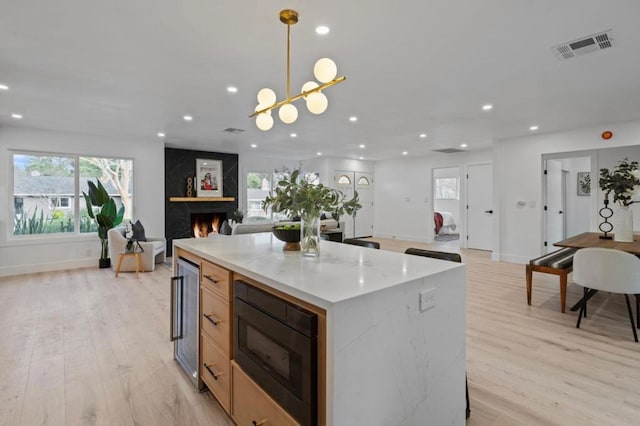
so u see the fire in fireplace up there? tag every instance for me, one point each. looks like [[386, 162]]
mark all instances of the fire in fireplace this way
[[203, 224]]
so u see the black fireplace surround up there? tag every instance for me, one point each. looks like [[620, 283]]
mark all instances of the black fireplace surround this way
[[180, 164]]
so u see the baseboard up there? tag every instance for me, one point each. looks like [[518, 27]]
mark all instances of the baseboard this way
[[511, 258], [6, 271], [402, 237]]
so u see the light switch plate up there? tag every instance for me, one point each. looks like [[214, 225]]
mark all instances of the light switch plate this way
[[427, 299]]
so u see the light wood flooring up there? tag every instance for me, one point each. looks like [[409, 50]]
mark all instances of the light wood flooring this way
[[81, 347]]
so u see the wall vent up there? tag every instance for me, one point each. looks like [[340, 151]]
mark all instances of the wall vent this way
[[233, 130], [584, 45], [448, 150]]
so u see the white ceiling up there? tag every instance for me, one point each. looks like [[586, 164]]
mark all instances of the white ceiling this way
[[129, 69]]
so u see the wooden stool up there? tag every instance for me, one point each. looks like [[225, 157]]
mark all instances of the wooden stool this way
[[137, 259]]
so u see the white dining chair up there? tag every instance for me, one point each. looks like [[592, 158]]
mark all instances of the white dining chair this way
[[609, 270]]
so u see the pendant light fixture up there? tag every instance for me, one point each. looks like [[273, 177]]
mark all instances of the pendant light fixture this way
[[325, 71]]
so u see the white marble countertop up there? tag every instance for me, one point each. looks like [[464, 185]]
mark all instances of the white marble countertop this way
[[341, 272]]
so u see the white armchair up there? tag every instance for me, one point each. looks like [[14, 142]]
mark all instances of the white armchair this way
[[154, 251]]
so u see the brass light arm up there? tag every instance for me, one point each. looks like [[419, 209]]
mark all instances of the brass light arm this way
[[300, 95]]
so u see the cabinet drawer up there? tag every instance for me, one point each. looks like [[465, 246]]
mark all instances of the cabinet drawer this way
[[214, 370], [217, 279], [251, 406], [215, 318]]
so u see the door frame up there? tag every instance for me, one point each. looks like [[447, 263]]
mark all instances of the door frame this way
[[461, 184], [593, 157]]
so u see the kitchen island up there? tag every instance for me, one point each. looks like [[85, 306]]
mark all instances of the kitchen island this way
[[392, 326]]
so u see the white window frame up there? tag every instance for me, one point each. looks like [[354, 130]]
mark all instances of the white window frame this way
[[77, 198]]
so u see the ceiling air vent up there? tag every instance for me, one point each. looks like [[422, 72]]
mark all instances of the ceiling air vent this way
[[448, 150], [233, 130], [584, 45]]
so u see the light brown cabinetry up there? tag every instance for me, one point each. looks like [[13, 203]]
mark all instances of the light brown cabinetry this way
[[215, 331], [252, 406]]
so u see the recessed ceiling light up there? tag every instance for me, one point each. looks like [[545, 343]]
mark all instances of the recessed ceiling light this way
[[318, 153], [362, 158], [188, 118], [161, 135], [232, 89], [362, 145], [294, 135], [16, 116], [322, 30], [487, 107], [423, 135], [463, 145], [253, 145], [4, 87], [353, 118], [405, 152], [533, 128]]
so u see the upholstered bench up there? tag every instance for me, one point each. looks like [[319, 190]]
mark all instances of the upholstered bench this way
[[559, 262]]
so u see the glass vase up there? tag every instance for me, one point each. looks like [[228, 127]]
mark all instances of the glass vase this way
[[623, 232], [310, 235]]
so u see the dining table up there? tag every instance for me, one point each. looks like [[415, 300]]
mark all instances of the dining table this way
[[593, 239]]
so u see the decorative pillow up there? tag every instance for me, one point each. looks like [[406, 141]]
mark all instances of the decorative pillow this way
[[225, 228], [138, 231]]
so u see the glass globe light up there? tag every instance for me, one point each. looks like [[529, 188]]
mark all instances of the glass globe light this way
[[261, 107], [264, 121], [309, 85], [317, 103], [266, 97], [288, 113], [325, 70]]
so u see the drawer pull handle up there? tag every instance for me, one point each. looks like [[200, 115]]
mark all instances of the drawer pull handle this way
[[215, 376], [211, 320], [261, 422], [210, 278]]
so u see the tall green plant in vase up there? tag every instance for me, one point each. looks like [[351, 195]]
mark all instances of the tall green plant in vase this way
[[295, 196], [106, 216]]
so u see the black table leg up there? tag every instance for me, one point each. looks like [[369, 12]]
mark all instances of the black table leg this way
[[579, 302]]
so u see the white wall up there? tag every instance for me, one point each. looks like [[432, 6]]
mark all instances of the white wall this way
[[404, 208], [518, 177], [36, 254], [578, 206]]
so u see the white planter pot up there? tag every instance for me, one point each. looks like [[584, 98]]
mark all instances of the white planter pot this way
[[623, 232]]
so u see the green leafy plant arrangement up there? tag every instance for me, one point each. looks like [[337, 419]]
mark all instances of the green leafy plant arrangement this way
[[237, 216], [107, 217], [621, 181], [297, 197]]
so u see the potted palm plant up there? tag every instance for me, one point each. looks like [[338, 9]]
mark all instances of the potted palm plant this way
[[106, 217], [295, 196]]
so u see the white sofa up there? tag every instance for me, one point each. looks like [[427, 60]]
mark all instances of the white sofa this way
[[253, 226], [155, 250]]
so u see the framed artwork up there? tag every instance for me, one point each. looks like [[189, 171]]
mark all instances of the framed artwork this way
[[584, 183], [208, 178]]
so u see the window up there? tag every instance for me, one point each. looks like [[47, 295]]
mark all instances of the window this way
[[446, 188], [344, 180], [45, 198], [259, 185]]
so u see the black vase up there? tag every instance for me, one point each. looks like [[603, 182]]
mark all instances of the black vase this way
[[104, 263]]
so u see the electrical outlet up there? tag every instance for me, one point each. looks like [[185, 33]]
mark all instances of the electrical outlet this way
[[427, 299]]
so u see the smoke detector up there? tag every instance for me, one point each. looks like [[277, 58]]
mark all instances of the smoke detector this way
[[589, 44]]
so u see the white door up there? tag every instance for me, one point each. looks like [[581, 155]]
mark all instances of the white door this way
[[344, 181], [480, 206], [364, 216], [554, 211]]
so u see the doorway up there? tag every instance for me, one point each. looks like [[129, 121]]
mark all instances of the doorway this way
[[567, 198], [480, 206], [446, 204]]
